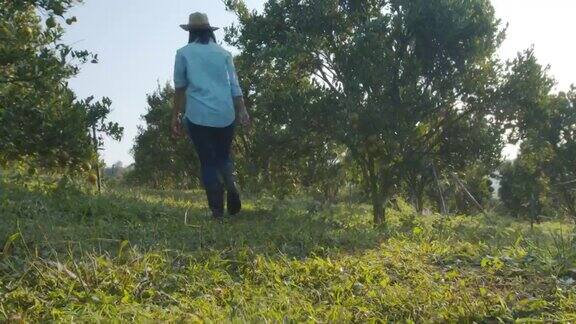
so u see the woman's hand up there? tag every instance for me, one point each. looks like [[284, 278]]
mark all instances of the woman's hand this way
[[244, 118], [176, 128], [179, 104], [242, 115]]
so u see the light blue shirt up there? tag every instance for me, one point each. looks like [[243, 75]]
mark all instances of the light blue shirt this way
[[208, 74]]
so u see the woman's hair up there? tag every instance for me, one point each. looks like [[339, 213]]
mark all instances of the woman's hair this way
[[202, 36]]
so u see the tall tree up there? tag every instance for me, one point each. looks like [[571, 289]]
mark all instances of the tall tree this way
[[392, 75], [285, 149], [40, 117], [545, 125], [161, 161], [461, 166]]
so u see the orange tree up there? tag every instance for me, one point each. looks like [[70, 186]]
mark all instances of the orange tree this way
[[391, 76], [544, 123], [285, 150], [161, 161], [272, 155], [458, 168], [41, 119]]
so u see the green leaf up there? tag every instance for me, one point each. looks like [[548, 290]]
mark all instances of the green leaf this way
[[123, 245], [10, 243]]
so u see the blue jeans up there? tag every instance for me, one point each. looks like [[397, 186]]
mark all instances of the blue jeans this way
[[213, 146]]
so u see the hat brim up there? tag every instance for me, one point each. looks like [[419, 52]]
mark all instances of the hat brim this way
[[189, 28]]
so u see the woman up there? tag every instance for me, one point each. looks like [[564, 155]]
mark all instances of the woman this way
[[207, 89]]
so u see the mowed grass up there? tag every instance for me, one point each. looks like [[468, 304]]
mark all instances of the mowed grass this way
[[146, 256]]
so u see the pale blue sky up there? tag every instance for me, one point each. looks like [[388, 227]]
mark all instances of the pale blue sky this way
[[136, 41]]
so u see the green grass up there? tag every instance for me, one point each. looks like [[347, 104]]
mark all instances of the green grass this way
[[141, 255]]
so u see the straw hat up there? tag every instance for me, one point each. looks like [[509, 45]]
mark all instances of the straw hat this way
[[198, 21]]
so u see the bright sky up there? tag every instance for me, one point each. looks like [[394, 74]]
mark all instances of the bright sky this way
[[136, 41]]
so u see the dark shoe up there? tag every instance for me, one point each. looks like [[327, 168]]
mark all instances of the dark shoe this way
[[216, 202], [233, 202], [218, 215]]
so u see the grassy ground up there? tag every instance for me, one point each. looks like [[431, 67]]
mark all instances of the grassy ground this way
[[156, 256]]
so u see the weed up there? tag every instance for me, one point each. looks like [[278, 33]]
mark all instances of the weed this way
[[143, 255]]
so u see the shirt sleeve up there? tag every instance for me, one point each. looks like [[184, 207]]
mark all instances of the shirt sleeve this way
[[180, 77], [234, 84]]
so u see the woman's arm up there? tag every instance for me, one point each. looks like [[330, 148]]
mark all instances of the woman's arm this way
[[241, 113], [180, 84], [179, 103]]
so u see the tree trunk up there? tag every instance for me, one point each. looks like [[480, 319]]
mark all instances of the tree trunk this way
[[569, 202], [420, 196], [367, 184], [420, 203], [444, 210], [377, 195], [378, 209], [98, 175], [412, 191]]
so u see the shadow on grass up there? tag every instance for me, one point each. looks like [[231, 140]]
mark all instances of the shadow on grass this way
[[173, 221]]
